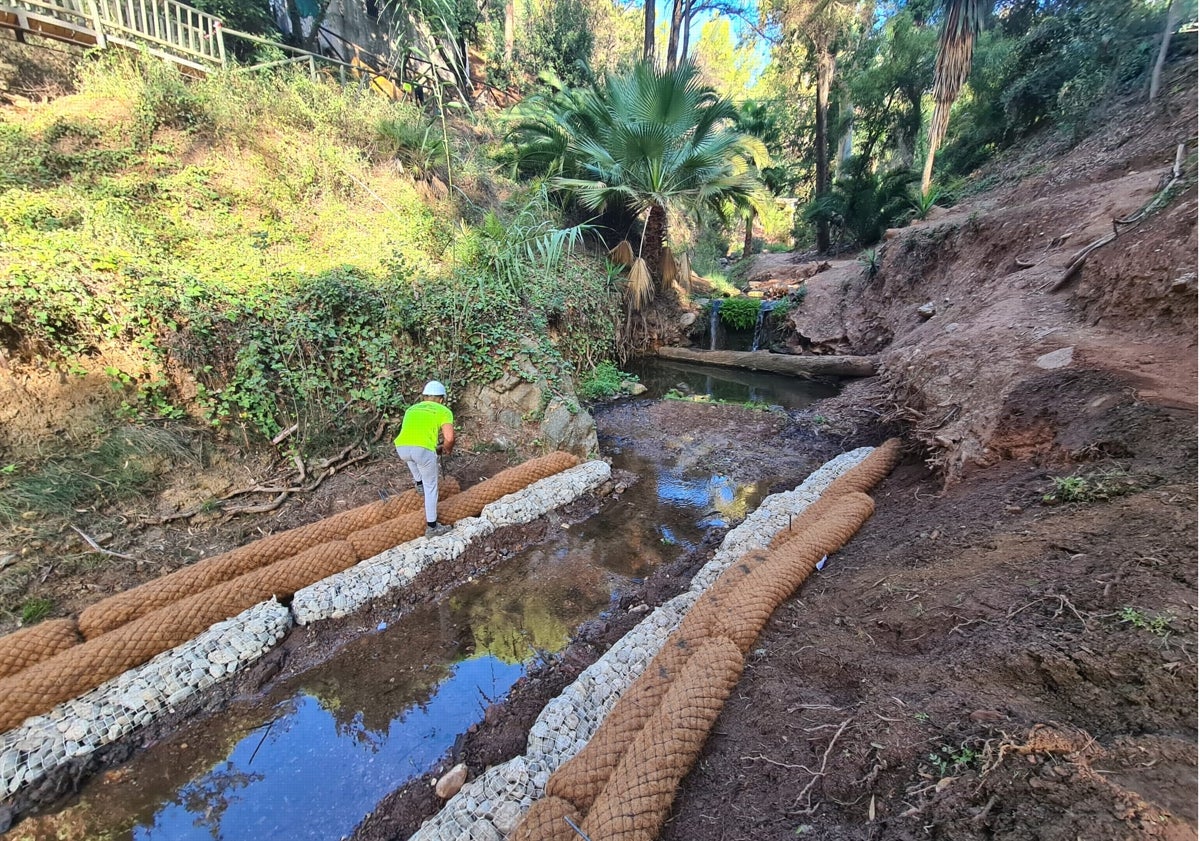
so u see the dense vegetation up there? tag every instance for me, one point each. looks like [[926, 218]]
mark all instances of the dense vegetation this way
[[269, 251]]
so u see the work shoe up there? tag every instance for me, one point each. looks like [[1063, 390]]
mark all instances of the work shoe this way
[[436, 529], [420, 486]]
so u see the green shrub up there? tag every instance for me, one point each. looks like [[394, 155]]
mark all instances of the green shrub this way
[[740, 313], [605, 380]]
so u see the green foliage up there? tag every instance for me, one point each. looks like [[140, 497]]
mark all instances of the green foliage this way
[[1050, 65], [35, 610], [639, 141], [722, 287], [257, 269], [923, 203], [605, 380], [1159, 625], [870, 260], [739, 313], [1092, 487], [950, 760], [863, 203], [416, 143]]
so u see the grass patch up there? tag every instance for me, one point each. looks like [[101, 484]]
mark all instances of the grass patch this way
[[722, 286], [35, 610], [1092, 487], [123, 465]]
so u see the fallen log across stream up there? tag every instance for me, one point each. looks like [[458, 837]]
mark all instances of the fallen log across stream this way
[[776, 363]]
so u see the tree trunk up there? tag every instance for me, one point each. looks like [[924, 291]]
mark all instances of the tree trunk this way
[[648, 38], [825, 70], [1156, 74], [673, 40], [510, 25], [748, 244], [687, 31], [652, 240], [937, 131]]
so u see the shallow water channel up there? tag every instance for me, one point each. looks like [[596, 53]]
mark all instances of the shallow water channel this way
[[312, 757]]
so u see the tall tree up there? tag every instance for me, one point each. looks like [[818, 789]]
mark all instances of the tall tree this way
[[648, 42], [648, 141], [820, 25], [963, 21], [1160, 59]]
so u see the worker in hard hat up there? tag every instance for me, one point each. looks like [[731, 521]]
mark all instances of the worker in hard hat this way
[[418, 445]]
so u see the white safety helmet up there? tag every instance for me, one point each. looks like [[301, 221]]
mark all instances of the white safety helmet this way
[[434, 389]]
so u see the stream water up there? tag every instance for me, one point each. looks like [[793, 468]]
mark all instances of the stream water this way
[[313, 757]]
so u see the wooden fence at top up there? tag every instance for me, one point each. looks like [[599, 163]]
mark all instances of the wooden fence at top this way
[[174, 32]]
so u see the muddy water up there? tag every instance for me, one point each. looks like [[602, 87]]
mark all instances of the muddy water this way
[[313, 757]]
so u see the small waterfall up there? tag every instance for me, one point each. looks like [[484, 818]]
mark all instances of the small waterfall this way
[[714, 322], [761, 331]]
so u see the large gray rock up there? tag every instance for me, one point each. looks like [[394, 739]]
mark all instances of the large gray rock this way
[[521, 410]]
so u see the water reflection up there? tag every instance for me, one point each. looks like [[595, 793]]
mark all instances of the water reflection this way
[[730, 384]]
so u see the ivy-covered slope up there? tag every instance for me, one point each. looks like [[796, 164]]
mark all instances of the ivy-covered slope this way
[[262, 251]]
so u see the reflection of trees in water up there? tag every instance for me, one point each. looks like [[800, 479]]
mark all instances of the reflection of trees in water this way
[[383, 676], [210, 797], [514, 627]]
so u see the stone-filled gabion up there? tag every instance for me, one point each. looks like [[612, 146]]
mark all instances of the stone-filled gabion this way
[[132, 699], [485, 807], [345, 592]]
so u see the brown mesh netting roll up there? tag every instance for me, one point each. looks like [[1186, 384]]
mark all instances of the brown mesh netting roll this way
[[76, 670], [869, 472], [23, 648], [639, 793], [370, 542], [582, 777], [124, 607], [546, 820]]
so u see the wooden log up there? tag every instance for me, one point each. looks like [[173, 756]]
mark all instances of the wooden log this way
[[776, 363]]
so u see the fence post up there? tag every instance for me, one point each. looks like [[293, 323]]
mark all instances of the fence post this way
[[97, 23], [219, 32], [312, 68]]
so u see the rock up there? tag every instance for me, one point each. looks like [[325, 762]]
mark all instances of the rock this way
[[637, 388], [927, 310], [451, 782], [1060, 358], [687, 319]]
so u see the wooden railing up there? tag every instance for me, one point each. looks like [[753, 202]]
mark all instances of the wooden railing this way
[[162, 23], [182, 34]]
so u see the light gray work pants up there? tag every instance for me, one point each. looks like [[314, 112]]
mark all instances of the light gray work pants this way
[[423, 464]]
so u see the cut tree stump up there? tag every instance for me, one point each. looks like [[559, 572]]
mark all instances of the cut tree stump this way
[[776, 363]]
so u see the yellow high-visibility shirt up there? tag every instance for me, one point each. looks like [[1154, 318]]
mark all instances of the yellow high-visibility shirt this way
[[421, 425]]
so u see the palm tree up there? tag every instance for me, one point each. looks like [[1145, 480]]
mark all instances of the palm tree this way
[[964, 19], [647, 141]]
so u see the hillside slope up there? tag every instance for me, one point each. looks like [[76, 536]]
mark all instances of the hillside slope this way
[[1008, 647]]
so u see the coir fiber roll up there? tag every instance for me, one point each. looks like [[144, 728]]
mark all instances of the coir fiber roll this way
[[869, 472], [76, 670], [582, 777], [638, 796], [21, 649], [123, 607], [370, 542], [546, 820]]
